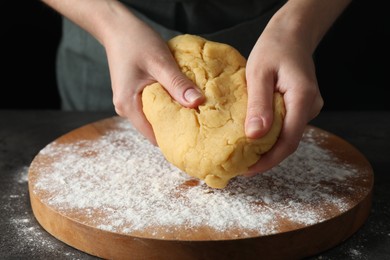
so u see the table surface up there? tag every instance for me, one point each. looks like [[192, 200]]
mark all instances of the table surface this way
[[24, 133]]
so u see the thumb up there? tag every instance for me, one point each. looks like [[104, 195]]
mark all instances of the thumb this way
[[260, 105], [181, 88]]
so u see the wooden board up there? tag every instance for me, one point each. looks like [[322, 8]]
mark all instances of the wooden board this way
[[78, 226]]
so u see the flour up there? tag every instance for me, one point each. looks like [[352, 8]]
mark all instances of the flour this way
[[21, 234], [22, 176], [123, 184], [31, 234]]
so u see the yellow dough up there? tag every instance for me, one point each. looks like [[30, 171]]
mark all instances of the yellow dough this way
[[208, 142]]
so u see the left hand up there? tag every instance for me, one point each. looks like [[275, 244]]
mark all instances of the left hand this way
[[285, 65]]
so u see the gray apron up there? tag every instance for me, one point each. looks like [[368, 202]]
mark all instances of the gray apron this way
[[82, 68]]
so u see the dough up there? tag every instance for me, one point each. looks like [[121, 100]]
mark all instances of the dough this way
[[209, 142]]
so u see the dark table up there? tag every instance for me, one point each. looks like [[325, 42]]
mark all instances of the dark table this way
[[24, 133]]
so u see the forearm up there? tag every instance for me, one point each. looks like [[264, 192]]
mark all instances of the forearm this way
[[306, 21], [101, 18]]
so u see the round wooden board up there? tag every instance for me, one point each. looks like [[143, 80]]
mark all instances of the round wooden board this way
[[76, 226]]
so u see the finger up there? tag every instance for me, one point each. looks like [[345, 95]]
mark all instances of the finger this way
[[260, 104], [128, 103], [294, 125], [318, 103], [132, 110], [182, 89], [139, 120], [286, 145]]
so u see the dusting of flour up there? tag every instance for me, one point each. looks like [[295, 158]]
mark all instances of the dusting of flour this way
[[123, 184]]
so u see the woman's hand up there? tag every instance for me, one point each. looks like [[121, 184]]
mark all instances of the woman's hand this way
[[277, 65], [137, 57], [281, 60]]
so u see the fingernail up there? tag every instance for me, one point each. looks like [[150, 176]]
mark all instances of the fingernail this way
[[254, 127], [191, 95]]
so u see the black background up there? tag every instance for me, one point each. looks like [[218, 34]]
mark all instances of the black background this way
[[352, 60]]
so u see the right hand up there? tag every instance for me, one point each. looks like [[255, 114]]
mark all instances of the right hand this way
[[137, 57]]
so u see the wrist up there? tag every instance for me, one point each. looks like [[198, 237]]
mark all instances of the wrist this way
[[113, 20], [305, 22]]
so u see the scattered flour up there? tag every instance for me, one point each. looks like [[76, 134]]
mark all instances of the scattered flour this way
[[22, 175], [123, 184], [21, 234], [31, 234], [32, 238], [355, 253]]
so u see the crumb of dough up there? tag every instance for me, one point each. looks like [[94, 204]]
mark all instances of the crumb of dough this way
[[209, 142]]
